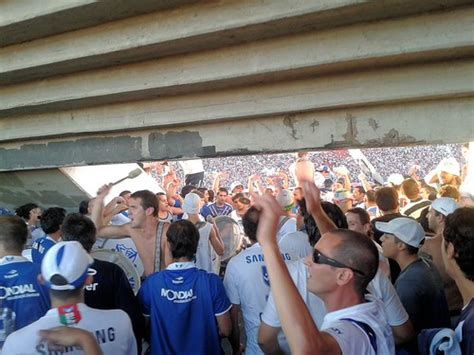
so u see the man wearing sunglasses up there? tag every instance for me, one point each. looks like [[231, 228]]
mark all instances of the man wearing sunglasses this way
[[342, 265]]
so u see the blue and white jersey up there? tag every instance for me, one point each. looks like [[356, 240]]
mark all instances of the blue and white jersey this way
[[20, 290], [40, 247], [183, 303], [248, 285]]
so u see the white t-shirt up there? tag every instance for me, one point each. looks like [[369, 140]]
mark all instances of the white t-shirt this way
[[351, 337], [380, 288], [205, 254], [288, 227], [112, 329], [297, 243], [191, 166], [247, 284]]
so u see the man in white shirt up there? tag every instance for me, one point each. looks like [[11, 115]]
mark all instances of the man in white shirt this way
[[64, 271], [247, 285], [342, 265]]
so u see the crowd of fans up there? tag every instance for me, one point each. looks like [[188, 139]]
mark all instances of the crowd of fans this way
[[328, 259]]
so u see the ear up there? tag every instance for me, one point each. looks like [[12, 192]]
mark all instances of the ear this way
[[149, 211], [450, 252], [41, 279], [367, 227], [89, 280], [344, 276]]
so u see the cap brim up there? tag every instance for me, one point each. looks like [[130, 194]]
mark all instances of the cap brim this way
[[383, 227]]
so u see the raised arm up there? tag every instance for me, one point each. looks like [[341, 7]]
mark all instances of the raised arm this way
[[312, 197], [297, 323]]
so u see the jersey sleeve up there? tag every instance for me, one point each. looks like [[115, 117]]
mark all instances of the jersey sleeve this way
[[270, 314], [219, 297], [350, 338], [231, 284]]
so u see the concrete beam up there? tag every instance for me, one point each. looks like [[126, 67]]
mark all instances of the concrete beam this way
[[436, 122], [441, 80], [50, 17], [424, 38], [192, 28]]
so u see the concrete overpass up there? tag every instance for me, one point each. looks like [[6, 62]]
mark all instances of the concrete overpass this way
[[86, 82]]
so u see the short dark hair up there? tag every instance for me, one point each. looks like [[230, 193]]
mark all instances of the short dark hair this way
[[386, 198], [370, 194], [84, 207], [24, 210], [79, 228], [187, 189], [51, 219], [359, 252], [334, 213], [250, 223], [13, 233], [360, 188], [449, 191], [148, 199], [211, 195], [63, 295], [411, 250], [223, 189], [238, 196], [364, 216], [183, 238], [459, 230]]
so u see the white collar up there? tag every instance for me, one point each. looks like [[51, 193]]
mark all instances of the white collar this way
[[181, 265], [8, 259]]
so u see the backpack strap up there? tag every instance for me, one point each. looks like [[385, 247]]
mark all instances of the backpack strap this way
[[367, 330]]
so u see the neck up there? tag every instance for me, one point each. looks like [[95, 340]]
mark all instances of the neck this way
[[342, 298], [56, 235], [181, 260], [416, 199], [55, 303], [389, 212], [466, 288], [404, 260], [4, 253], [162, 213]]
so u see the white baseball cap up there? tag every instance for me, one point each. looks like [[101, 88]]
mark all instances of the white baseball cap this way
[[406, 229], [444, 205], [395, 179], [235, 184], [192, 203], [285, 199], [449, 165], [69, 260]]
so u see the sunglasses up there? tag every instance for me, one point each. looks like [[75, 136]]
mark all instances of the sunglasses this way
[[319, 258]]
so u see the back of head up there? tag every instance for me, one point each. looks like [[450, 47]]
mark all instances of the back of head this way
[[386, 199], [192, 203], [65, 269], [84, 207], [285, 199], [24, 210], [148, 199], [51, 219], [359, 252], [333, 212], [370, 194], [410, 189], [250, 223], [79, 228], [187, 189], [183, 239], [363, 215], [459, 230], [449, 191], [13, 233]]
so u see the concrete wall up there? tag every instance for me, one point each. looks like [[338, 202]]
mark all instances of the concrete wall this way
[[119, 81]]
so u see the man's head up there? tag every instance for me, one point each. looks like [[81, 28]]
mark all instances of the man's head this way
[[448, 171], [142, 206], [341, 259], [298, 194], [285, 200], [52, 219], [13, 234], [222, 195], [192, 203], [125, 194], [358, 220], [240, 202], [410, 189], [386, 199], [449, 191], [342, 198], [30, 212], [64, 269], [162, 201], [358, 194], [183, 239], [401, 236], [205, 193], [187, 189], [236, 187], [331, 210], [457, 250], [250, 223], [369, 198], [77, 227], [439, 210], [84, 207]]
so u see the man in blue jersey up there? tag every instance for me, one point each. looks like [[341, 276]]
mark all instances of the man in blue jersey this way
[[51, 221], [19, 287], [189, 308]]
